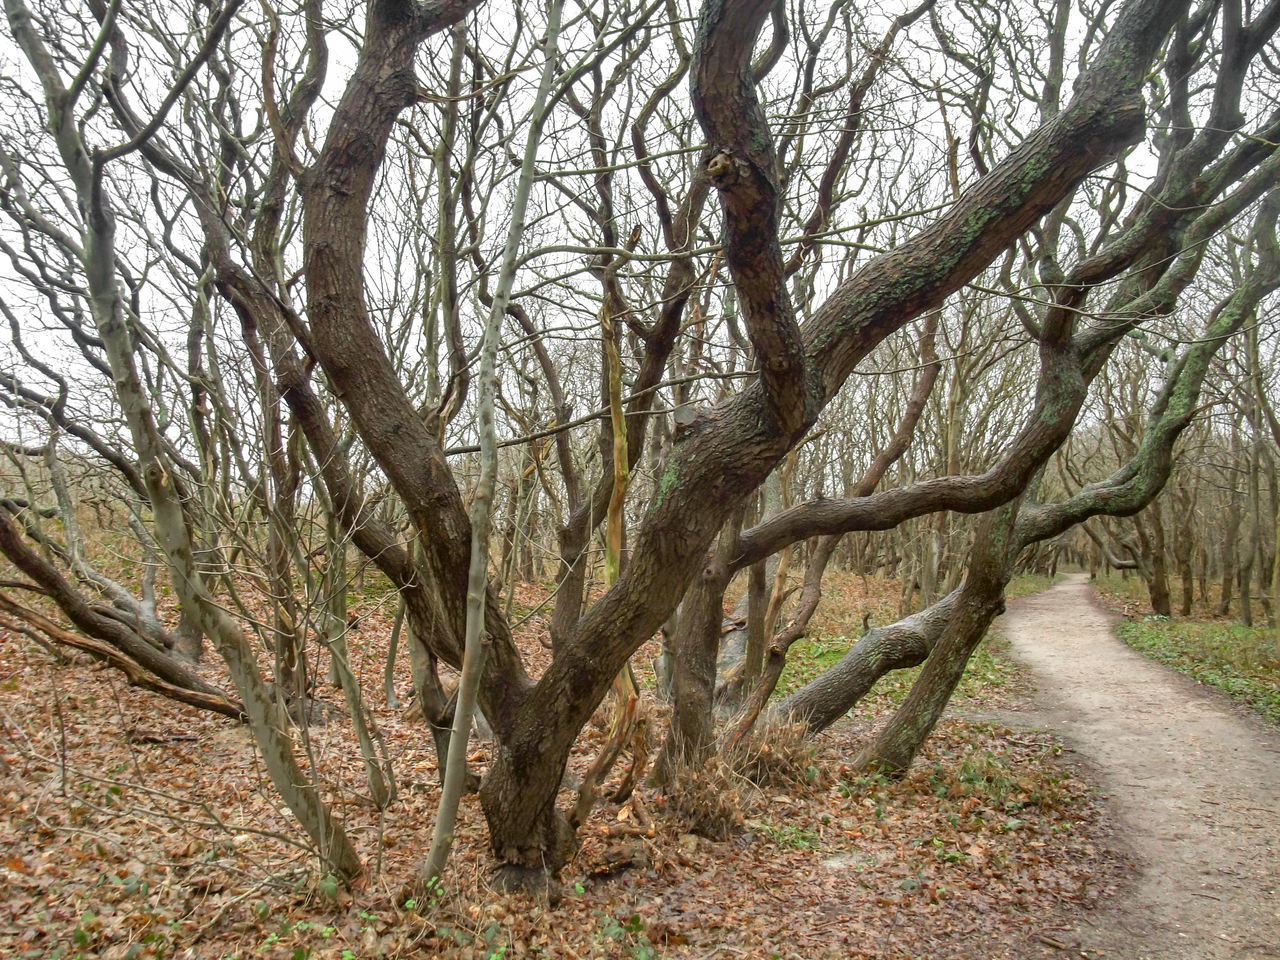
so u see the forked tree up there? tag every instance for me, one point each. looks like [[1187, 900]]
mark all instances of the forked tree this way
[[759, 235]]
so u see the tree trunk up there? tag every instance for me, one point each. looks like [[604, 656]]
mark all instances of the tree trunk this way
[[897, 646], [482, 504], [1228, 547], [980, 600], [1275, 583], [697, 643], [1184, 545], [1158, 584], [757, 606]]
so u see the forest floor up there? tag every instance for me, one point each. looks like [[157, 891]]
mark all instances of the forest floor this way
[[131, 827], [1192, 778]]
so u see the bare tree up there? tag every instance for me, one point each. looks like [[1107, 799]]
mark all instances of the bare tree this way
[[346, 230]]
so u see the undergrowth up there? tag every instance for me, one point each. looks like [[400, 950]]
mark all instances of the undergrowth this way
[[706, 800], [1026, 584], [991, 782], [990, 672], [1239, 661], [780, 757]]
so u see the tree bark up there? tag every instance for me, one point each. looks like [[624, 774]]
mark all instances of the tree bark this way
[[980, 599], [718, 460]]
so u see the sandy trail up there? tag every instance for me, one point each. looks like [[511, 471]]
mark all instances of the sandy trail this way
[[1193, 782]]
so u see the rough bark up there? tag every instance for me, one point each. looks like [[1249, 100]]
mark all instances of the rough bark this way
[[1154, 568], [980, 599], [719, 459], [697, 642], [897, 646], [1126, 492], [336, 194]]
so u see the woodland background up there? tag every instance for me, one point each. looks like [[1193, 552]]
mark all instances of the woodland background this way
[[647, 385]]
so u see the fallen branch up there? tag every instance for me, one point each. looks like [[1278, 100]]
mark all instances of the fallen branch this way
[[136, 675]]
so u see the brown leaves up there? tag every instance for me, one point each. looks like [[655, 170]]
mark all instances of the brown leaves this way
[[988, 843]]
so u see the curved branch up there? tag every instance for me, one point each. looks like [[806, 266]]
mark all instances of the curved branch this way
[[743, 167], [724, 455], [96, 625], [215, 702]]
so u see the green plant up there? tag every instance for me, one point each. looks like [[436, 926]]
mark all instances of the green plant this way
[[858, 786], [81, 935], [943, 852], [433, 892], [1026, 584], [1240, 661], [629, 932], [793, 837], [994, 780]]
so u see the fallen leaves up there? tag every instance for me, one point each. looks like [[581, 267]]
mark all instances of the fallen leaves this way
[[137, 829]]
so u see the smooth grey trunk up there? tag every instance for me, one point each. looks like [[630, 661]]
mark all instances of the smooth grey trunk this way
[[377, 769], [393, 650], [333, 613], [482, 503], [140, 613]]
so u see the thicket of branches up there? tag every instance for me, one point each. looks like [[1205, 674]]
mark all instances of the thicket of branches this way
[[652, 303]]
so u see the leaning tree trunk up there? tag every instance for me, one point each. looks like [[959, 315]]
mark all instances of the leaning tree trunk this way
[[980, 600], [1275, 584], [1251, 546], [896, 646]]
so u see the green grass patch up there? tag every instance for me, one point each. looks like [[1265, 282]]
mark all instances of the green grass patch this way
[[1239, 661], [1026, 584], [990, 671], [791, 837], [810, 657]]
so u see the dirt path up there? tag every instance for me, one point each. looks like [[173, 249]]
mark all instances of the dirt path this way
[[1194, 784]]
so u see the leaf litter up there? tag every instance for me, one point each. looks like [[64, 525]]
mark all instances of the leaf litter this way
[[132, 827]]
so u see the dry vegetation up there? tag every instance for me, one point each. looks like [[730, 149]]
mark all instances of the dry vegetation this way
[[134, 828]]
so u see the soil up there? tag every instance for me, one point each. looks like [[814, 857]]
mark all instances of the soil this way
[[132, 827], [1191, 779]]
